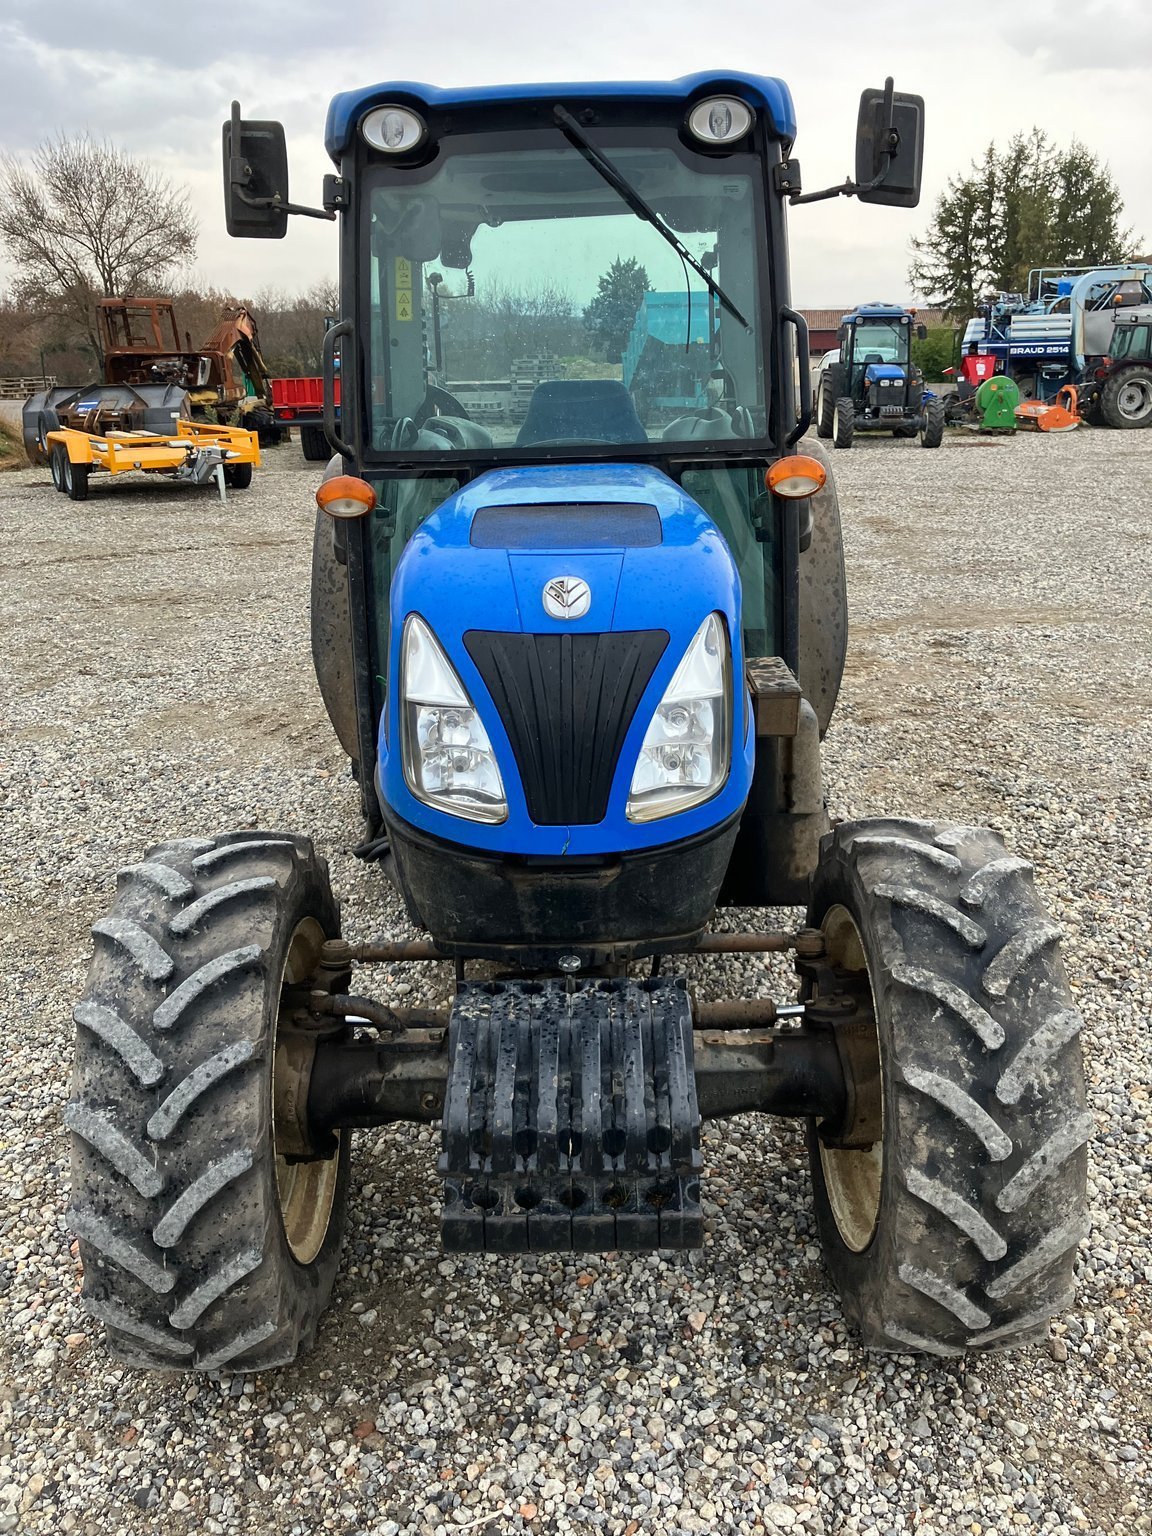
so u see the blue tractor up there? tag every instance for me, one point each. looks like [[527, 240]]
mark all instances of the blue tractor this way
[[870, 383], [581, 655]]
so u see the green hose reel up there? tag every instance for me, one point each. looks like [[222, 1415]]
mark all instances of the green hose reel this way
[[996, 402]]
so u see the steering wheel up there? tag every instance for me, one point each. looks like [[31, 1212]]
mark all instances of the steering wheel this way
[[450, 430], [439, 402], [405, 433]]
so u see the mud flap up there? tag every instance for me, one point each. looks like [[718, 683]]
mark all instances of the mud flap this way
[[570, 1120]]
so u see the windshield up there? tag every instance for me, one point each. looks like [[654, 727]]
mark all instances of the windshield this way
[[1133, 341], [879, 341], [515, 300]]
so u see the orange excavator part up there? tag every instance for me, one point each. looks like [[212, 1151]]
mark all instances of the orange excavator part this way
[[1060, 415]]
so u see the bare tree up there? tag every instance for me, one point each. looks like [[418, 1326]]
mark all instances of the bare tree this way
[[292, 326], [83, 220]]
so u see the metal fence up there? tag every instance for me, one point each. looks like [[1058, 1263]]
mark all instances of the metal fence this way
[[20, 389]]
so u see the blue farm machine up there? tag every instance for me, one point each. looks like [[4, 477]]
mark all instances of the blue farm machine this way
[[672, 350], [1059, 333], [582, 662], [870, 383]]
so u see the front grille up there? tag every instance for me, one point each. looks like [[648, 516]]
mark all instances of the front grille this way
[[566, 702]]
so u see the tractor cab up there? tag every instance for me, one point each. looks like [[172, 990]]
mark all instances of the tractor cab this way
[[567, 366], [513, 310], [1132, 338], [875, 346], [871, 384]]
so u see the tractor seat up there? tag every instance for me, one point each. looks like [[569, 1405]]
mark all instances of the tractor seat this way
[[872, 357], [581, 410]]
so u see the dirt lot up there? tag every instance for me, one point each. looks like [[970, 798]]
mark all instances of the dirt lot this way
[[158, 683]]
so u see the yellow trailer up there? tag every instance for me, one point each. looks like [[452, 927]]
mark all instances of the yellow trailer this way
[[197, 451]]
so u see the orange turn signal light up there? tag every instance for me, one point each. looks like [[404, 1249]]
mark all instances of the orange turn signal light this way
[[797, 476], [345, 496]]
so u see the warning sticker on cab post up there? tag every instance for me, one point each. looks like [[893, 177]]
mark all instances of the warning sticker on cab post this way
[[404, 309]]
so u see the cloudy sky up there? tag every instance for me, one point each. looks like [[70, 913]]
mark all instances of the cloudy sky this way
[[157, 80]]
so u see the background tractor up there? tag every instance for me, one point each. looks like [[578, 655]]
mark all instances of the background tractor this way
[[870, 383], [1120, 392], [581, 656]]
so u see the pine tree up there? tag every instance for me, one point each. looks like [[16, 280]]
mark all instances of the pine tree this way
[[610, 316], [1029, 205]]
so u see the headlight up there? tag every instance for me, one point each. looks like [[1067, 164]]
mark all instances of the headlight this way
[[719, 120], [448, 760], [686, 751], [393, 129]]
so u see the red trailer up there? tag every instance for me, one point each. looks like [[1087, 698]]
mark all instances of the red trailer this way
[[300, 403]]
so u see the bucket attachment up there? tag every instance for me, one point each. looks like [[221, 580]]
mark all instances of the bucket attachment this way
[[1061, 415], [570, 1120]]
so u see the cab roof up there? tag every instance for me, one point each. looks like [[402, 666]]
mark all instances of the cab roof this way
[[761, 92], [874, 311]]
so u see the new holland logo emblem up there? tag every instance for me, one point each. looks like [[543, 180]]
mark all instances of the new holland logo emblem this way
[[567, 597]]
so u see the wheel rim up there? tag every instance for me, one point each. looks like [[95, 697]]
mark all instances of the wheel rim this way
[[306, 1191], [1134, 399], [854, 1180]]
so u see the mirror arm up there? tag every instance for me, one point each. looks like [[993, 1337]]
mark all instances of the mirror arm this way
[[845, 189], [274, 202], [850, 188]]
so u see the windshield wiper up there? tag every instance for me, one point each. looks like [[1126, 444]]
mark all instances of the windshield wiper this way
[[572, 131]]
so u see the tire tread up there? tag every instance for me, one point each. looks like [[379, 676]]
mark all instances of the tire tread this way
[[174, 1193], [986, 1198]]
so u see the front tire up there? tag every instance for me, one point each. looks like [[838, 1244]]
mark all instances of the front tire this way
[[204, 1247], [845, 423], [826, 403], [46, 421], [57, 461], [933, 433], [957, 1228], [823, 414]]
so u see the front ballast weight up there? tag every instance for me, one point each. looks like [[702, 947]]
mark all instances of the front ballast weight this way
[[570, 1109], [571, 1120]]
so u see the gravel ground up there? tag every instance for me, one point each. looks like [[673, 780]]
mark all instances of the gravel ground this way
[[158, 684]]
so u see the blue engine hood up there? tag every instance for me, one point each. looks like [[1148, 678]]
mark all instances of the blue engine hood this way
[[669, 586], [458, 587], [876, 371]]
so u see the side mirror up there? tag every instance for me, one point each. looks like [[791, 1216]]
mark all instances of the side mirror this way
[[921, 333], [255, 179], [890, 147]]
